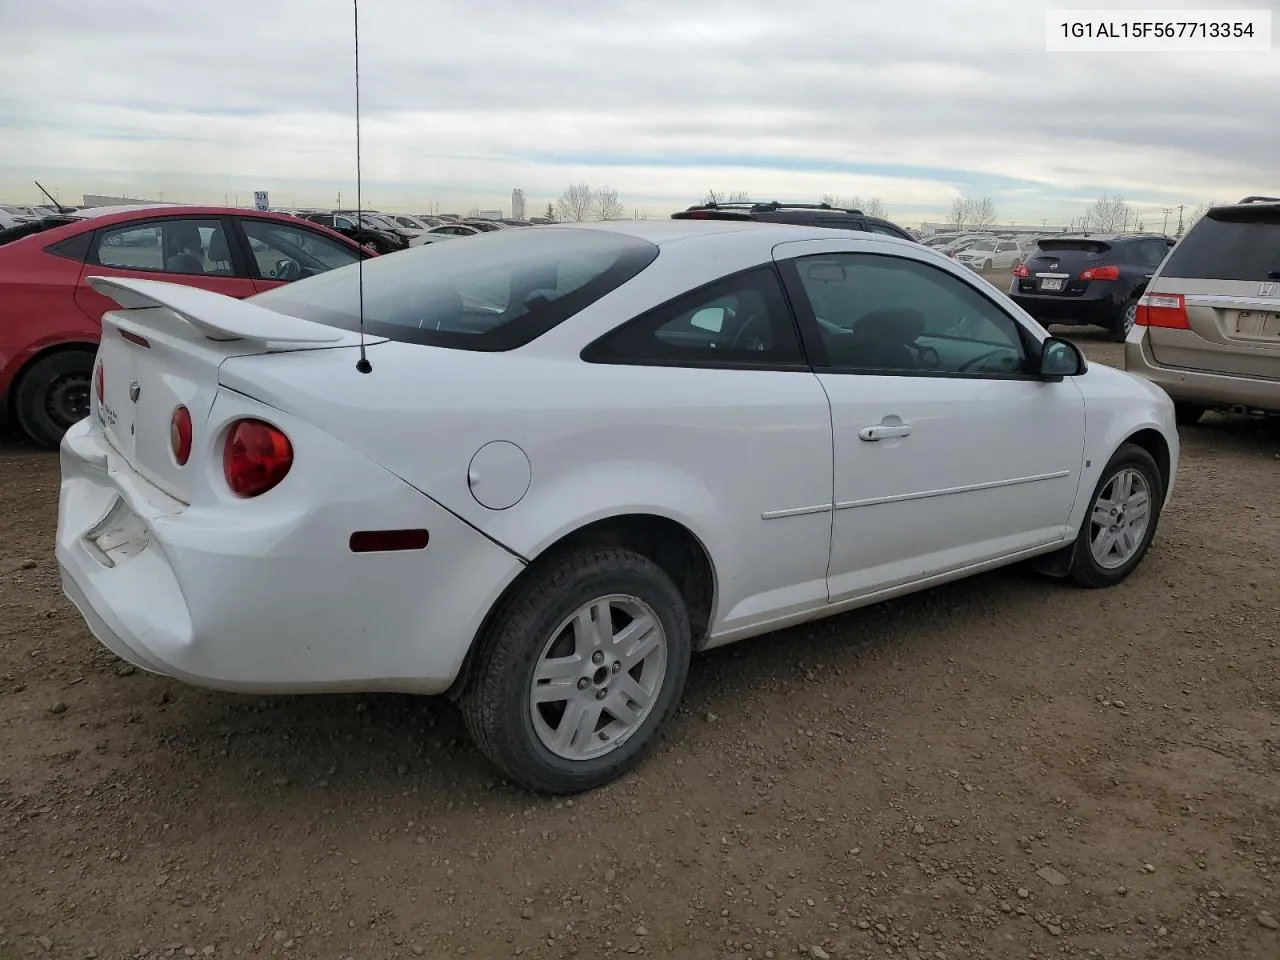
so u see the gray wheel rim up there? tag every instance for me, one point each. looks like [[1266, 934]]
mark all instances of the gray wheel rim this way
[[1120, 517], [1130, 317], [598, 677]]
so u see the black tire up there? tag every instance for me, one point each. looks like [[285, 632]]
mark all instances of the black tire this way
[[1187, 414], [496, 703], [1120, 325], [1085, 569], [53, 394]]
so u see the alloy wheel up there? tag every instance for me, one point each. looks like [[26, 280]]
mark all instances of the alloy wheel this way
[[598, 677], [1119, 520]]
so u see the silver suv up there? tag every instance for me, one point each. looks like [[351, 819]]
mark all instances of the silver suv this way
[[1207, 328]]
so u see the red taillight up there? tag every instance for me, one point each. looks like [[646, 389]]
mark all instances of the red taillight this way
[[1163, 310], [1021, 270], [257, 456], [699, 216], [1101, 273], [180, 435], [100, 383]]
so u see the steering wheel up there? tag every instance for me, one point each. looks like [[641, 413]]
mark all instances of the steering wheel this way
[[927, 356], [287, 270], [964, 367], [753, 343]]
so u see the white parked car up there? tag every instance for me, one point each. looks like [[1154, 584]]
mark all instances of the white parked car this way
[[578, 455], [990, 254], [23, 213]]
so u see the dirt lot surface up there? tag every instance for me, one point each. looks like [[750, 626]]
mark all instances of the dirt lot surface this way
[[1002, 767]]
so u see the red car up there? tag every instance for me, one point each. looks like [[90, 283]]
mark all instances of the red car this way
[[50, 319]]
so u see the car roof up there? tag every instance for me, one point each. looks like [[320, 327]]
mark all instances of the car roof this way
[[1104, 237], [666, 231], [76, 223]]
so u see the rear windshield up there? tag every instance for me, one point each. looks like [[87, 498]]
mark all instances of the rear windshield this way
[[1231, 244], [1082, 246], [494, 291]]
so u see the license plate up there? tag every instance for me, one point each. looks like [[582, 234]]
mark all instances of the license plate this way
[[1054, 284], [1253, 323]]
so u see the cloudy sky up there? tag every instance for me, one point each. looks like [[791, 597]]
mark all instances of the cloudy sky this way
[[914, 101]]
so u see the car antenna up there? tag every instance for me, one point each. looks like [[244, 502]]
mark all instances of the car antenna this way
[[60, 207], [363, 364]]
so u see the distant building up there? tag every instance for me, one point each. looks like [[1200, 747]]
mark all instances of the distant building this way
[[517, 204], [93, 200], [488, 214]]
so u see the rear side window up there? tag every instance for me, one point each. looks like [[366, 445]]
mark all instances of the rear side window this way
[[740, 321], [497, 291], [73, 248], [1230, 245]]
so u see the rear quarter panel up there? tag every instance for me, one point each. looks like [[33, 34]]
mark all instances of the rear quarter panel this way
[[710, 449], [37, 309]]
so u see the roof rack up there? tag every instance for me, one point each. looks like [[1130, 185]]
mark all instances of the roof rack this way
[[1261, 200], [770, 206]]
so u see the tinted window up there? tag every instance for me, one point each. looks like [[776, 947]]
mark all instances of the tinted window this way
[[881, 313], [191, 247], [73, 248], [1152, 252], [497, 291], [740, 320], [1007, 247], [282, 251], [1230, 245]]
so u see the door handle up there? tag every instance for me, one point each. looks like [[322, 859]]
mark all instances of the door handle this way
[[881, 431]]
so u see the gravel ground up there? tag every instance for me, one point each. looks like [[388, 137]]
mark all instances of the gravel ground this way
[[1002, 767]]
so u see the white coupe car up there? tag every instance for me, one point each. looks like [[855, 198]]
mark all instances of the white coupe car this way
[[581, 454]]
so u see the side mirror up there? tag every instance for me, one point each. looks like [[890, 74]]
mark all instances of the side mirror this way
[[1061, 358]]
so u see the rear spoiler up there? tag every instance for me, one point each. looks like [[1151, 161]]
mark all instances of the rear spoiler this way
[[217, 316]]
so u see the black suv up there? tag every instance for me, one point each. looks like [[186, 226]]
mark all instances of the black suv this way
[[1093, 278], [802, 214], [382, 241]]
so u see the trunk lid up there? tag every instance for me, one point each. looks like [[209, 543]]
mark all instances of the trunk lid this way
[[1055, 266], [163, 350], [1227, 270]]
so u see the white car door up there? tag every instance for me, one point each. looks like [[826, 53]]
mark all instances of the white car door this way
[[716, 382], [1006, 254], [947, 452]]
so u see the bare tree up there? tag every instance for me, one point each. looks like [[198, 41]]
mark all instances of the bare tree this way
[[726, 196], [576, 204], [961, 212], [982, 213], [1108, 214], [874, 207], [607, 206], [1198, 211]]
